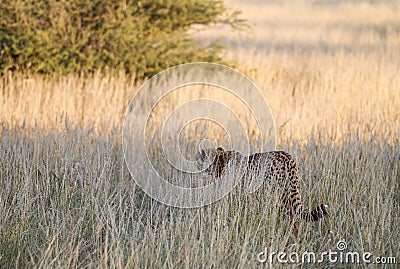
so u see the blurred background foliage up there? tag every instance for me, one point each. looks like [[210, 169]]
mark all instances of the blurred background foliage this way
[[141, 37]]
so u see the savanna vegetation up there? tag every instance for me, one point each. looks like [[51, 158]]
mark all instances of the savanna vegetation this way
[[329, 72], [140, 37]]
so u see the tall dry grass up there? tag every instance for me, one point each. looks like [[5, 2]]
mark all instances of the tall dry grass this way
[[330, 76], [347, 93], [320, 67], [67, 201], [98, 101], [330, 67]]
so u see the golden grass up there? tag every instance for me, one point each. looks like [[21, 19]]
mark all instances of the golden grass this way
[[329, 73], [98, 101], [329, 68]]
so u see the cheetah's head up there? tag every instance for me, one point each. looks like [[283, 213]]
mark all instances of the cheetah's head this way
[[214, 161]]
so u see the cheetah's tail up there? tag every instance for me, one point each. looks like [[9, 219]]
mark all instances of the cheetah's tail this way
[[315, 214]]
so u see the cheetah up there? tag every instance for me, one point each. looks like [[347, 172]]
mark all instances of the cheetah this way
[[275, 167]]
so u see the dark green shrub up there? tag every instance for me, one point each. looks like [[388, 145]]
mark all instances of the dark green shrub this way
[[142, 37]]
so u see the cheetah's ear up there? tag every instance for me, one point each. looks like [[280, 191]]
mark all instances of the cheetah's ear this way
[[220, 150], [202, 154]]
